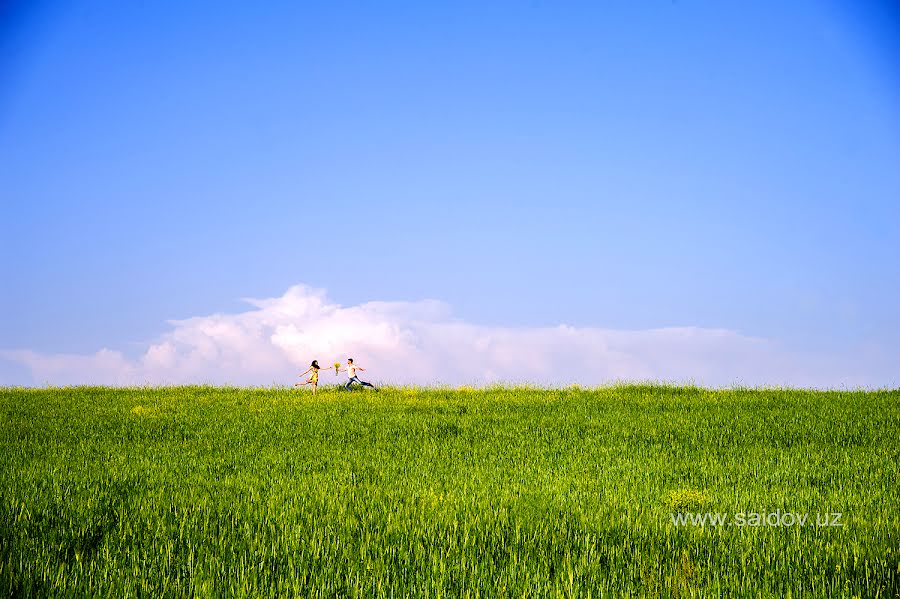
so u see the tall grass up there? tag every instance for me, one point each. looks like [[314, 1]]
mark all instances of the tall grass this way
[[216, 491]]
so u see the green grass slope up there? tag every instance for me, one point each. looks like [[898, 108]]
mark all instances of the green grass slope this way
[[447, 493]]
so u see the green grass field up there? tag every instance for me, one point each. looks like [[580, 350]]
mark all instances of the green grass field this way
[[446, 493]]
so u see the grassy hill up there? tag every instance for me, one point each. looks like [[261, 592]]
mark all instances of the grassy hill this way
[[437, 492]]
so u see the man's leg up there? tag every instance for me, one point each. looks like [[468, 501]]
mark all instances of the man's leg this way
[[350, 382], [365, 384]]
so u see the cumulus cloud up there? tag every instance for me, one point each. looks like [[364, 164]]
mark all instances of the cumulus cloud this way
[[422, 343]]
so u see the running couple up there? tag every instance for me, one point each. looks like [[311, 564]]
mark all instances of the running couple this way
[[351, 369]]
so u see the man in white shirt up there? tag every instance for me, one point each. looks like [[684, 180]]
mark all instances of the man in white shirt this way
[[351, 375]]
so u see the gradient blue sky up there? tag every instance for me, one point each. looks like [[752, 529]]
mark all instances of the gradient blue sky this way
[[625, 165]]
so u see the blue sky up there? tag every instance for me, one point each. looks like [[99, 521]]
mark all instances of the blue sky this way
[[626, 166]]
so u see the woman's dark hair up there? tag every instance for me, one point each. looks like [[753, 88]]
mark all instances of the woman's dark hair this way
[[315, 364]]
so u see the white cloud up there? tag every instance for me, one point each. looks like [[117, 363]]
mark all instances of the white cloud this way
[[421, 343]]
